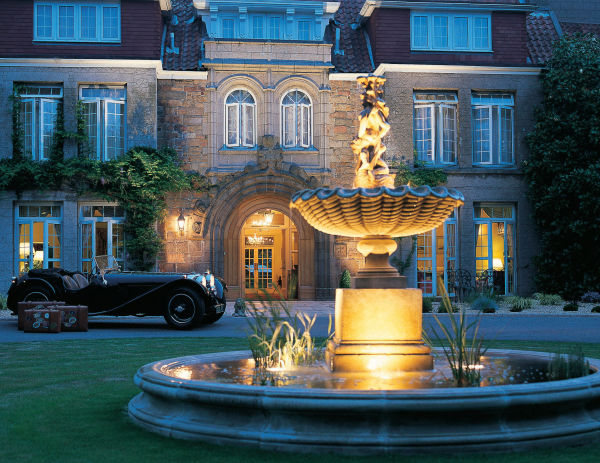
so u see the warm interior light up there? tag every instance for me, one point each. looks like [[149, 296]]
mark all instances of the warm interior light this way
[[39, 255], [181, 222], [498, 264]]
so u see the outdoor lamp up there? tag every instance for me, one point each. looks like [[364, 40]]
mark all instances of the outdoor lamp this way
[[181, 222]]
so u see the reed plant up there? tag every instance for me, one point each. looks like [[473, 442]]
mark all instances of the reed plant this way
[[280, 340], [570, 365], [461, 342]]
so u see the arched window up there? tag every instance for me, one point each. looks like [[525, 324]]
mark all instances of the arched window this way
[[296, 120], [240, 116]]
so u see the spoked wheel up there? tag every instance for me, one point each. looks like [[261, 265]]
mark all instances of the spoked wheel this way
[[184, 309]]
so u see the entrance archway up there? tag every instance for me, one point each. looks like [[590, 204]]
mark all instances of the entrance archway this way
[[270, 260]]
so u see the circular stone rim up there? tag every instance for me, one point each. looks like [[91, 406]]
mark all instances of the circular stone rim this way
[[407, 421]]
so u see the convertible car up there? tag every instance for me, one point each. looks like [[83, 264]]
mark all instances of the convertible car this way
[[185, 300]]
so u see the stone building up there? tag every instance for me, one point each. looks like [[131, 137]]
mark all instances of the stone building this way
[[261, 97]]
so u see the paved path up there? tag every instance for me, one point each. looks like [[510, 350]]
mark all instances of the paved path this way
[[521, 326]]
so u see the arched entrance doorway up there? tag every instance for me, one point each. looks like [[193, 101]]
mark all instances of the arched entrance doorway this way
[[270, 260]]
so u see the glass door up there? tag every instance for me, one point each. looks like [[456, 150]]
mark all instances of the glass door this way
[[101, 234], [258, 269]]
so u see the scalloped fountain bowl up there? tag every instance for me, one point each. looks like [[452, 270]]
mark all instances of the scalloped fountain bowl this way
[[360, 212], [211, 398]]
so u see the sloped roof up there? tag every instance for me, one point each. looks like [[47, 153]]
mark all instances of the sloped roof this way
[[187, 38], [353, 41], [541, 34]]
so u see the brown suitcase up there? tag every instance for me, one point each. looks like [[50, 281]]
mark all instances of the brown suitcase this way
[[23, 306], [75, 317], [42, 320]]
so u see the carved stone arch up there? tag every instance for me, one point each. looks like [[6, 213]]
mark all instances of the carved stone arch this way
[[241, 198]]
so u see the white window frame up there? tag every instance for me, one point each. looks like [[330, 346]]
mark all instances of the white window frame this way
[[437, 125], [311, 26], [77, 37], [111, 221], [495, 146], [102, 118], [298, 108], [433, 259], [279, 19], [236, 26], [451, 16], [30, 221], [490, 252], [241, 121], [37, 142]]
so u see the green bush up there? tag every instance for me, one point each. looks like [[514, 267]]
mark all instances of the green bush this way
[[427, 304], [596, 309], [548, 299], [518, 304], [563, 169], [571, 307], [484, 302], [345, 279], [2, 302]]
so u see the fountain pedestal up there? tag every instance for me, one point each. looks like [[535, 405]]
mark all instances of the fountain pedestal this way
[[378, 331]]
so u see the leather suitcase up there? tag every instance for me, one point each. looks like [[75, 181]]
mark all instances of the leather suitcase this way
[[75, 317], [42, 320], [23, 306]]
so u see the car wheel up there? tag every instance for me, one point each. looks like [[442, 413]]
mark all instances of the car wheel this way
[[184, 308], [35, 293], [209, 319]]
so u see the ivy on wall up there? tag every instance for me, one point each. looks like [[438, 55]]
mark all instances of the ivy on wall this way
[[139, 181]]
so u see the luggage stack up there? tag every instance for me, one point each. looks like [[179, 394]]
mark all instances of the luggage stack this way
[[51, 317]]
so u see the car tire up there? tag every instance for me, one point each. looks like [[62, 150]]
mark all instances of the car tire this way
[[210, 319], [35, 293], [184, 308]]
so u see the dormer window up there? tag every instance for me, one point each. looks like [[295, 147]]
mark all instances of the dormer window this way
[[440, 31], [75, 22]]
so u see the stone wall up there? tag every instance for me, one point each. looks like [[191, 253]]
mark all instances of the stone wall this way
[[141, 98], [182, 120]]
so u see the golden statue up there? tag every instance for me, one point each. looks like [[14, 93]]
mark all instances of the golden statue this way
[[371, 169]]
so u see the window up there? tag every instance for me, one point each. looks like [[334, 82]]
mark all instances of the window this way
[[304, 30], [494, 245], [296, 120], [39, 237], [436, 256], [240, 116], [75, 22], [258, 27], [435, 127], [101, 234], [228, 28], [104, 114], [493, 129], [274, 27], [39, 107], [451, 32]]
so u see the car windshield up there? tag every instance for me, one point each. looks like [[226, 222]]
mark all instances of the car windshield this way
[[105, 264]]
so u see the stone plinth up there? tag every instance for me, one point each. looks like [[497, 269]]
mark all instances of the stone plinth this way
[[378, 330]]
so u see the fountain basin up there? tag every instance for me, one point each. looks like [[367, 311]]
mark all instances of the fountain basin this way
[[301, 419]]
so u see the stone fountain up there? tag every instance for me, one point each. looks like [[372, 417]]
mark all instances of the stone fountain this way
[[378, 321], [378, 392]]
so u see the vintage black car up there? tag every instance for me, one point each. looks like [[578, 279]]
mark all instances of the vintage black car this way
[[185, 300]]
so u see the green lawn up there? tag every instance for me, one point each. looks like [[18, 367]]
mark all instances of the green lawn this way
[[66, 401]]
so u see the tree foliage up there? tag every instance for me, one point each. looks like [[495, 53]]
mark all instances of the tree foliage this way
[[563, 169]]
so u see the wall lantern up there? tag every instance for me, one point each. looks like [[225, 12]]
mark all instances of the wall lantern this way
[[181, 223]]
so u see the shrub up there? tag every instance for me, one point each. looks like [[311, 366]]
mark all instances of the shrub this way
[[484, 302], [489, 310], [345, 279], [518, 304], [571, 307], [547, 299], [596, 309], [427, 304], [3, 302], [591, 296]]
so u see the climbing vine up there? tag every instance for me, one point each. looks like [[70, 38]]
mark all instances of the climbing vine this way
[[419, 174]]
